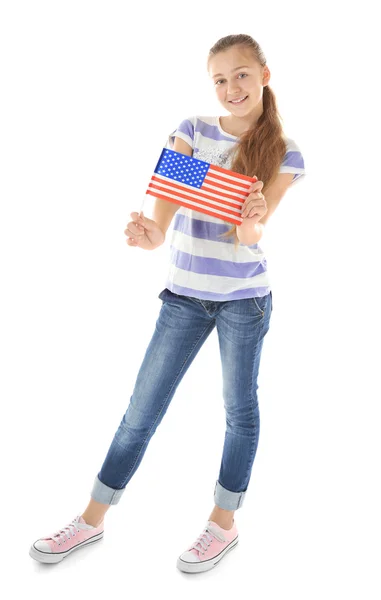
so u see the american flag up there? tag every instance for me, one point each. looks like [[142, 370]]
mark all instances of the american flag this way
[[199, 185]]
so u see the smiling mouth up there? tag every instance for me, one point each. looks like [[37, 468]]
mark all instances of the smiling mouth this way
[[240, 102]]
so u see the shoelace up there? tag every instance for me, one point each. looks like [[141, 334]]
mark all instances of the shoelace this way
[[60, 535], [204, 540]]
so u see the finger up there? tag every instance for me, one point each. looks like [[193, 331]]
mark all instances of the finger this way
[[252, 205], [140, 223], [134, 229], [247, 206], [135, 215], [137, 219], [256, 186], [246, 213], [134, 241], [254, 196], [134, 236]]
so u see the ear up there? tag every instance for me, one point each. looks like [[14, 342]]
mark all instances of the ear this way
[[266, 75]]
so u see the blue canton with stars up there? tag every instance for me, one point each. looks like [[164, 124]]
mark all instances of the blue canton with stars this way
[[182, 168]]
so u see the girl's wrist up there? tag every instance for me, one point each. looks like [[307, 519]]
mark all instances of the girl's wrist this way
[[250, 233]]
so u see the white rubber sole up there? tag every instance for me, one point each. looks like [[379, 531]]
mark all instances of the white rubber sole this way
[[55, 557], [199, 567]]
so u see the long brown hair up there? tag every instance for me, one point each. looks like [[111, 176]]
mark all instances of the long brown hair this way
[[261, 149]]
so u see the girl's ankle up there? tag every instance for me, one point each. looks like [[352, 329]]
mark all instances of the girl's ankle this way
[[92, 522]]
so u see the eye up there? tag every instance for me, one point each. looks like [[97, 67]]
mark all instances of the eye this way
[[245, 74]]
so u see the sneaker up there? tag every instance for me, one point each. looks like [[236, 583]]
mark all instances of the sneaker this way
[[54, 548], [209, 548]]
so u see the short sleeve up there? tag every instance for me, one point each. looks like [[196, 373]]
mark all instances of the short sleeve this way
[[185, 131], [293, 162]]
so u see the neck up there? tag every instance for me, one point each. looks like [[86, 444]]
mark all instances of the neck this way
[[238, 125]]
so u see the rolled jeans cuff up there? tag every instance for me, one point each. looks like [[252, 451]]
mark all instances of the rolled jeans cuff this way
[[226, 499], [104, 494]]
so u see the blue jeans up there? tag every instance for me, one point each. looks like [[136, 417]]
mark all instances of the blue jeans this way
[[183, 325]]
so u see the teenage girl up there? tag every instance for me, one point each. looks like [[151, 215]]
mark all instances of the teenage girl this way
[[217, 278]]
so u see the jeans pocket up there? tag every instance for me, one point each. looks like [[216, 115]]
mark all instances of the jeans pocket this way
[[260, 304]]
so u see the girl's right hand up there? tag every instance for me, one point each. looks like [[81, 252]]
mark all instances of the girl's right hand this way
[[143, 232]]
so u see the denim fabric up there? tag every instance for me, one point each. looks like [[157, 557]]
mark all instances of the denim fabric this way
[[183, 325]]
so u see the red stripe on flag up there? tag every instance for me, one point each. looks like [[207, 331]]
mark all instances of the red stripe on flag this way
[[198, 209], [217, 205], [233, 173], [218, 197], [245, 186], [222, 187]]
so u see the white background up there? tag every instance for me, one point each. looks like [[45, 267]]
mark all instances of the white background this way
[[90, 92]]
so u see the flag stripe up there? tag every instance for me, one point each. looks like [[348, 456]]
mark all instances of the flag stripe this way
[[208, 186], [227, 171], [195, 194], [233, 182], [228, 188], [212, 205], [207, 193], [195, 206]]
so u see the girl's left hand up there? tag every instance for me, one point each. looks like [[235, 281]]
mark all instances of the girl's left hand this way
[[254, 207]]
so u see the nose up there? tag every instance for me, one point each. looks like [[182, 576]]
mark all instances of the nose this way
[[233, 88]]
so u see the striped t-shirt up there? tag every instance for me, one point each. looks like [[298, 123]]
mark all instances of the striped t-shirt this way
[[202, 264]]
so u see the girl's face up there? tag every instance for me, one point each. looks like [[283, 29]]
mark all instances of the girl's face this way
[[236, 75]]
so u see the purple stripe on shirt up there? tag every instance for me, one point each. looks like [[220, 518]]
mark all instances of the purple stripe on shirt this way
[[293, 158], [204, 295], [205, 230], [216, 266], [186, 127], [211, 131]]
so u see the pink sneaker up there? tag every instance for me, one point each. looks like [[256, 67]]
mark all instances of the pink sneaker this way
[[209, 548], [54, 548]]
